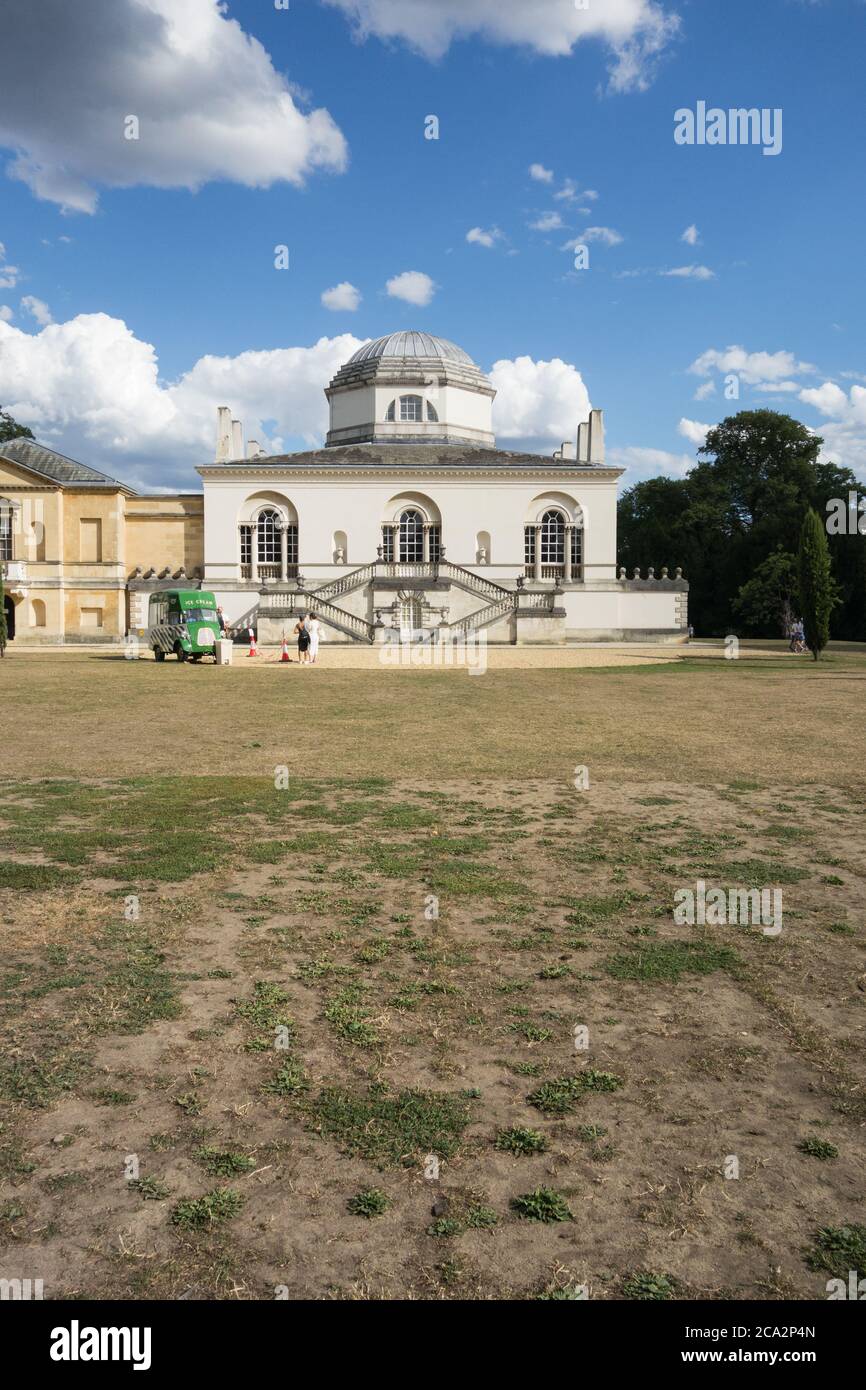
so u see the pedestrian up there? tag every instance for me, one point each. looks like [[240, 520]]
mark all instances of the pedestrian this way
[[303, 636], [221, 620], [313, 626]]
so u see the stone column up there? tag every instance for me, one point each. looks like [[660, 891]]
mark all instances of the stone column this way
[[425, 553], [538, 552], [284, 553], [254, 552], [568, 534], [395, 541]]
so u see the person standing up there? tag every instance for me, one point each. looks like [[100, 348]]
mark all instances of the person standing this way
[[303, 635], [313, 626]]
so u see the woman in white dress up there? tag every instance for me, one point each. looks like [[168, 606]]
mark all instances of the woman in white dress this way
[[313, 626]]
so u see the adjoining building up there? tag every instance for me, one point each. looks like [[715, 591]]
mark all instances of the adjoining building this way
[[410, 519]]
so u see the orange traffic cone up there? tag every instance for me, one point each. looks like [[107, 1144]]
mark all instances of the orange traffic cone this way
[[252, 651], [284, 651]]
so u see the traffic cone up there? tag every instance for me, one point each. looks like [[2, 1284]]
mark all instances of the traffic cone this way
[[284, 650], [252, 651]]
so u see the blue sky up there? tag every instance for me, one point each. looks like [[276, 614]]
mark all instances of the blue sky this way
[[184, 275]]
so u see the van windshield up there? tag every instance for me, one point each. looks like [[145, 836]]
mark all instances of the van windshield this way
[[200, 615]]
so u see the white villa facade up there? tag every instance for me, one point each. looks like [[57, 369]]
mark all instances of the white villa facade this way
[[410, 519]]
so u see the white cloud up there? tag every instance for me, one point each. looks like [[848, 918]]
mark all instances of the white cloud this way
[[547, 222], [606, 235], [752, 367], [343, 297], [690, 272], [37, 309], [571, 193], [6, 314], [540, 174], [691, 236], [209, 102], [641, 463], [706, 389], [8, 273], [693, 430], [636, 31], [844, 429], [94, 389], [479, 237], [538, 404], [413, 286]]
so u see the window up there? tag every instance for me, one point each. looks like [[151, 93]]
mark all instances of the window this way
[[576, 550], [431, 413], [387, 544], [291, 545], [435, 543], [268, 533], [90, 540], [411, 616], [246, 545], [411, 408], [391, 413], [553, 538], [5, 529], [529, 544], [411, 536]]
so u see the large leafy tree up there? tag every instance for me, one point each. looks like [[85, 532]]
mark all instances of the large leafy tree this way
[[10, 429], [742, 504]]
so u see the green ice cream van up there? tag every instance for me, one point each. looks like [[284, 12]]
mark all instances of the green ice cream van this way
[[183, 621]]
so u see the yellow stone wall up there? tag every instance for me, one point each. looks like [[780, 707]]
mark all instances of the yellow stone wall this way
[[79, 546]]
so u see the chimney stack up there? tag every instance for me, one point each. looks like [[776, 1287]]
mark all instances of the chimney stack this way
[[596, 436], [224, 434], [583, 443], [237, 440], [254, 449], [568, 450]]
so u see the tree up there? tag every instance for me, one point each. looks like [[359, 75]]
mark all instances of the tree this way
[[768, 599], [818, 592], [10, 429], [742, 503]]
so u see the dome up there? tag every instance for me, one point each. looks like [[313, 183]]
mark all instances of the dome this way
[[411, 345]]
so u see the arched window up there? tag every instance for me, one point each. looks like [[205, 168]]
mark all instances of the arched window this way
[[411, 536], [268, 537], [411, 614], [431, 413], [553, 538], [391, 412], [411, 409], [5, 529]]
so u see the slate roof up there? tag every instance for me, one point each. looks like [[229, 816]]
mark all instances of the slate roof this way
[[426, 457], [411, 345], [29, 453]]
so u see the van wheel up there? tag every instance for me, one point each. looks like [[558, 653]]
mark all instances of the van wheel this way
[[180, 653], [158, 654]]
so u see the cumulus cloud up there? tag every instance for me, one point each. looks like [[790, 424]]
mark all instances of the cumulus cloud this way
[[479, 237], [705, 390], [93, 389], [691, 236], [540, 174], [538, 404], [844, 427], [751, 367], [641, 463], [547, 222], [343, 297], [413, 286], [8, 273], [694, 430], [6, 314], [690, 272], [37, 309], [208, 101], [635, 31], [606, 235]]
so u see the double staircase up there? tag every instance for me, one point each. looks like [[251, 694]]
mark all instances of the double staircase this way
[[500, 602]]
